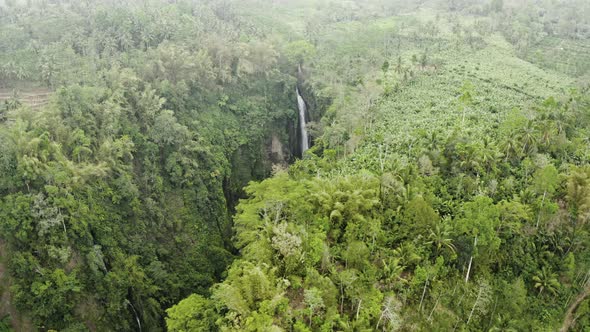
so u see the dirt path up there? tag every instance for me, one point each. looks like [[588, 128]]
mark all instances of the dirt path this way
[[569, 316]]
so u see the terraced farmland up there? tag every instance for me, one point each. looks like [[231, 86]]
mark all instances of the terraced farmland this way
[[32, 98], [571, 57]]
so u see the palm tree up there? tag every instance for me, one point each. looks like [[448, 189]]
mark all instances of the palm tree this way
[[547, 130], [560, 119], [406, 253], [470, 160], [503, 323], [578, 199], [432, 141], [510, 147], [488, 154], [440, 237], [578, 192], [392, 270], [546, 280], [528, 138], [399, 66]]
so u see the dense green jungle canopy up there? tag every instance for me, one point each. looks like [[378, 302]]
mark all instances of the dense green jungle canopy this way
[[153, 177]]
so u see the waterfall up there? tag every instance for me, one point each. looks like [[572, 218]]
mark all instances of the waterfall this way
[[302, 122], [134, 312]]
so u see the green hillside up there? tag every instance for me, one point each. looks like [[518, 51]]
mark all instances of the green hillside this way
[[163, 184]]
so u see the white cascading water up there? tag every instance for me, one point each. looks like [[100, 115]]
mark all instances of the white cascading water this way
[[302, 122]]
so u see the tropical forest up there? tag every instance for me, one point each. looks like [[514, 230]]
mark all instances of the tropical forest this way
[[294, 165]]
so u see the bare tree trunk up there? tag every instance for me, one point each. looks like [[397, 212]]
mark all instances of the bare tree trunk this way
[[358, 309], [341, 298], [539, 215], [382, 157], [423, 293], [379, 321], [474, 305], [470, 260], [493, 312], [468, 268], [435, 304], [63, 222], [459, 303]]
